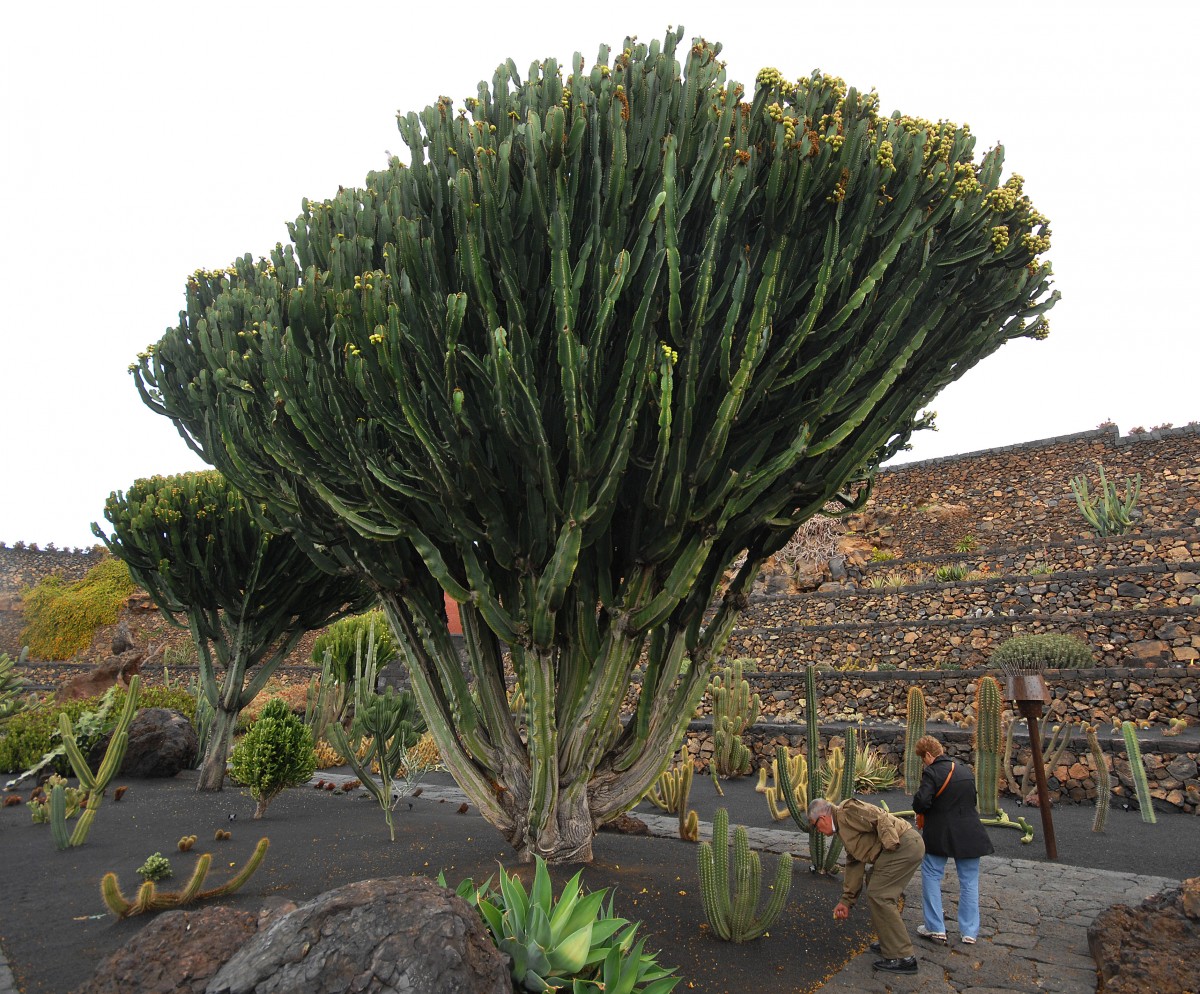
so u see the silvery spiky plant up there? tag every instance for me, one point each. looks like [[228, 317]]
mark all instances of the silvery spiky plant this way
[[609, 326], [248, 596]]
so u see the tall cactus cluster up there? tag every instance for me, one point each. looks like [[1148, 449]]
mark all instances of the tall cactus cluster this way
[[914, 728], [671, 792], [989, 706], [735, 917], [607, 326], [734, 709], [248, 595]]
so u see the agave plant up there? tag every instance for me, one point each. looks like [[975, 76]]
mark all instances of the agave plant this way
[[575, 943]]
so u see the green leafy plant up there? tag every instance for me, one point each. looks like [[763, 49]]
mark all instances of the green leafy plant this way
[[156, 867], [1107, 513], [573, 359], [952, 572], [193, 543], [734, 916], [575, 942], [882, 555], [61, 617], [275, 754], [1041, 570], [967, 543], [150, 898]]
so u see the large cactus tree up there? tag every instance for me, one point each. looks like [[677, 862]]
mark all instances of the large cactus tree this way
[[601, 334], [248, 596]]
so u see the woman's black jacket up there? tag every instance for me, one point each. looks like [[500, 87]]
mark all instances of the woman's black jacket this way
[[952, 826]]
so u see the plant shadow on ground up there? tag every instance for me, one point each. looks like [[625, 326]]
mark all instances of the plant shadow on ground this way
[[55, 928]]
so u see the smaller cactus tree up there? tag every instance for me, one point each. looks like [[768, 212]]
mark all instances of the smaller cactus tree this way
[[1103, 778], [914, 728], [988, 707], [733, 917], [734, 709], [1137, 770], [1107, 513], [388, 725]]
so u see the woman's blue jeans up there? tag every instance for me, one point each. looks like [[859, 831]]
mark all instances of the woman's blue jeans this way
[[933, 868]]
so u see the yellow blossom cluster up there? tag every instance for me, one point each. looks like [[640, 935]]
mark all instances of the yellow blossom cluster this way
[[669, 353], [1001, 200], [1035, 244], [883, 156], [770, 78], [1000, 238]]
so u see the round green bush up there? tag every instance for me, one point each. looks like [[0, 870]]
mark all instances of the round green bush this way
[[1035, 653], [275, 754]]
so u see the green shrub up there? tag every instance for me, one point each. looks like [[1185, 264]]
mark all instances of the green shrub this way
[[275, 754], [156, 867], [28, 736], [1035, 653], [341, 640], [62, 617]]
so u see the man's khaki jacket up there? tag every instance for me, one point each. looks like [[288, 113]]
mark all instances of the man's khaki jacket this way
[[866, 830]]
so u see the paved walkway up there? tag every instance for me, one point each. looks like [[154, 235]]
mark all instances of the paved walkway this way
[[1035, 918]]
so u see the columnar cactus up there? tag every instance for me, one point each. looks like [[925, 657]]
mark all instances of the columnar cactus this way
[[605, 330], [796, 773], [1103, 779], [96, 783], [734, 918], [914, 728], [989, 704], [248, 595], [734, 709], [1137, 770]]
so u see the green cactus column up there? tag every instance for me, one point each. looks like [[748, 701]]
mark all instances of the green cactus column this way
[[604, 327], [734, 709], [1137, 771], [914, 728], [1103, 778], [988, 708]]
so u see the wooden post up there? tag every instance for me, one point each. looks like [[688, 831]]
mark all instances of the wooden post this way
[[1031, 711]]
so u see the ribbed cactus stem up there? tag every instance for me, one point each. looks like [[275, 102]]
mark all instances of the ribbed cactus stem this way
[[816, 841], [988, 708], [1137, 770], [58, 816], [914, 728], [734, 710], [1103, 779], [734, 917]]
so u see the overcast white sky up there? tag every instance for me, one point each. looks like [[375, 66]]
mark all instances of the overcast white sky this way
[[141, 141]]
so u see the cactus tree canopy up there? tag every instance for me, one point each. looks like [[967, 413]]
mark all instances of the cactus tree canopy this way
[[248, 596], [609, 326]]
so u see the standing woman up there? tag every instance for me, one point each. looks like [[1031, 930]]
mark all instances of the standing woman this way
[[952, 830]]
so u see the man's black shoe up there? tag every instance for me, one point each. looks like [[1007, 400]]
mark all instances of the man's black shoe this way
[[907, 965], [876, 948]]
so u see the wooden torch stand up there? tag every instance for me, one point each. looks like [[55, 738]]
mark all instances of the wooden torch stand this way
[[1029, 694]]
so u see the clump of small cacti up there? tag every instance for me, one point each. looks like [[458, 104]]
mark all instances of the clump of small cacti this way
[[186, 843], [734, 709], [156, 867], [149, 898], [220, 835], [733, 918], [670, 792], [1175, 726], [797, 775]]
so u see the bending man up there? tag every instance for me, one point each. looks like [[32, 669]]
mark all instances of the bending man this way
[[895, 850]]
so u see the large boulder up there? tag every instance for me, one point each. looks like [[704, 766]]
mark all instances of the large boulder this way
[[176, 953], [1153, 947], [162, 742], [401, 934]]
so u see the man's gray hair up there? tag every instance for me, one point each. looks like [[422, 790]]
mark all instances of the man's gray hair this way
[[818, 807]]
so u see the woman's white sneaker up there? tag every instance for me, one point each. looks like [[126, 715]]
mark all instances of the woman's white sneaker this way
[[924, 933]]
